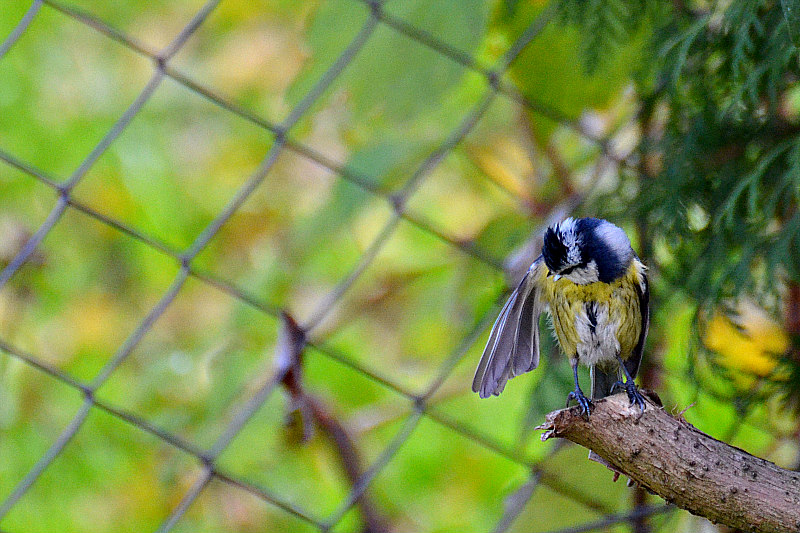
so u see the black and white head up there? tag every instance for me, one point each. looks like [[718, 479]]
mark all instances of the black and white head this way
[[586, 250]]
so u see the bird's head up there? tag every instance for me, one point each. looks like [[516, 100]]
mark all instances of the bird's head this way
[[586, 250]]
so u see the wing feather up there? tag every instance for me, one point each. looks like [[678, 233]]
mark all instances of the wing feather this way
[[525, 354], [513, 346], [643, 291], [489, 350]]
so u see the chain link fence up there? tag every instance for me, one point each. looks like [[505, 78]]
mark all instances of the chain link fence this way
[[284, 375]]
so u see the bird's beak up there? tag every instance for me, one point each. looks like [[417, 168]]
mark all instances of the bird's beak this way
[[555, 277]]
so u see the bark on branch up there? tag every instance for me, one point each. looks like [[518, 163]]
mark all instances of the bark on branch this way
[[685, 466]]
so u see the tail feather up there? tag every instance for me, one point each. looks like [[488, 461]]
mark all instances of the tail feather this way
[[602, 381]]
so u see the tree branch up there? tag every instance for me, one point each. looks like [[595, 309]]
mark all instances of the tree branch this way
[[683, 465]]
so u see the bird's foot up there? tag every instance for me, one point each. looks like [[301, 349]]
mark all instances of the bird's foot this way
[[584, 402], [633, 393]]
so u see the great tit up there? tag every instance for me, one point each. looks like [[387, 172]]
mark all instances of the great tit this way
[[595, 289]]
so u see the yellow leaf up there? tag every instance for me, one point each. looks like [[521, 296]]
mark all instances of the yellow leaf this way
[[752, 344]]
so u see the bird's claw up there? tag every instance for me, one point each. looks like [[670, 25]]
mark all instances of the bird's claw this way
[[583, 402], [633, 393]]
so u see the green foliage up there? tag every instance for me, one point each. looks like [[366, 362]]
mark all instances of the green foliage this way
[[711, 185], [378, 97], [725, 132], [720, 120], [546, 69], [731, 154], [607, 26], [792, 15]]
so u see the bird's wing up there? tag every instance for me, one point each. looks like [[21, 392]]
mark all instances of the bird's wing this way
[[513, 346], [643, 291]]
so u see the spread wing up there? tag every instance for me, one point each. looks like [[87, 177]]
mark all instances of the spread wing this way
[[513, 346], [643, 291]]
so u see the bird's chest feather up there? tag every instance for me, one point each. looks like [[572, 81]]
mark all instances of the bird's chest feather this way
[[596, 321]]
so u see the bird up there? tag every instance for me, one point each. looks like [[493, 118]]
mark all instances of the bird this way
[[595, 289]]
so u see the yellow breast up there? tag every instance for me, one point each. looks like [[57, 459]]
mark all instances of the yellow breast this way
[[620, 300]]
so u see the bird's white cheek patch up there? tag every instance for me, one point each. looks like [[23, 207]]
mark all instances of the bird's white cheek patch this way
[[598, 343]]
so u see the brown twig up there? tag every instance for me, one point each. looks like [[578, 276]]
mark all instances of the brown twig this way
[[792, 317], [685, 466], [351, 462], [313, 410]]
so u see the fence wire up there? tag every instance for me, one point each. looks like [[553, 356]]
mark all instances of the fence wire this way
[[421, 407]]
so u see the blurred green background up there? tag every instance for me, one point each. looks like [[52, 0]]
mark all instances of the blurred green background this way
[[677, 121]]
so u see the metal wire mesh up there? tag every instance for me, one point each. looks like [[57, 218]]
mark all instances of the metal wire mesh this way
[[283, 141]]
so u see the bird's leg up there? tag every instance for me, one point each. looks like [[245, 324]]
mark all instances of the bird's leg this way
[[577, 395], [630, 387]]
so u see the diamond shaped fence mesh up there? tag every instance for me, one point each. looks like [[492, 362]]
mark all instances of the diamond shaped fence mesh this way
[[249, 258]]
